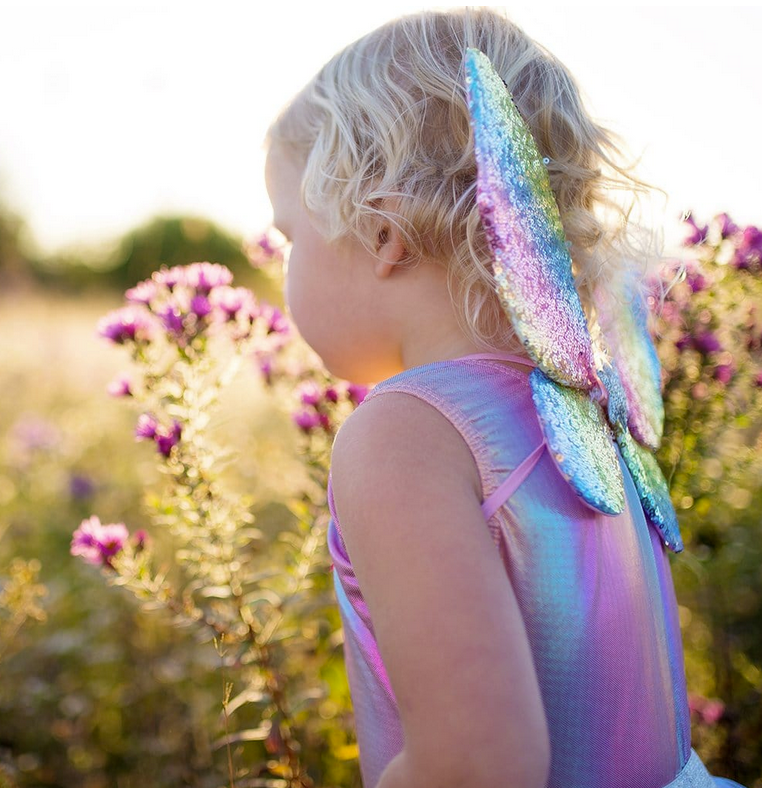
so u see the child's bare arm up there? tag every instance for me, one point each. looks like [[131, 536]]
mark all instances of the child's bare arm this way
[[407, 494]]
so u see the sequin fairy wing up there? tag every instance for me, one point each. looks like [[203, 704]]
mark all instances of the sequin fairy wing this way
[[536, 288], [636, 411], [580, 442], [638, 365], [520, 215]]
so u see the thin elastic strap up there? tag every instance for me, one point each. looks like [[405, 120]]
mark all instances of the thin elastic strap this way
[[511, 484]]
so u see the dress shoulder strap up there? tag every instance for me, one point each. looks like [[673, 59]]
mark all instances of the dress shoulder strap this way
[[440, 388]]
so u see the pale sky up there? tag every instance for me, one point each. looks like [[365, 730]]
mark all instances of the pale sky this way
[[113, 110]]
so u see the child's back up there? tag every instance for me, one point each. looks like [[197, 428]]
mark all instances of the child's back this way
[[595, 592]]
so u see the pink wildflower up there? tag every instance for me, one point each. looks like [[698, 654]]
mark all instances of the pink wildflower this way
[[309, 393], [306, 419], [96, 543], [146, 427], [129, 323], [205, 276], [143, 292], [357, 393], [119, 387]]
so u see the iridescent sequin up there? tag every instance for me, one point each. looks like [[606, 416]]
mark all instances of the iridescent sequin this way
[[521, 219], [639, 369], [580, 442], [581, 408], [652, 489]]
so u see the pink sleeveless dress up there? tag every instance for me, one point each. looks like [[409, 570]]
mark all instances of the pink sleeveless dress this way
[[595, 592]]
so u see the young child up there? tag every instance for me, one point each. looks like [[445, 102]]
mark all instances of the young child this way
[[498, 630]]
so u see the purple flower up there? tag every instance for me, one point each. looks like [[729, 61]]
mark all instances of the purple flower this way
[[696, 281], [262, 250], [172, 319], [752, 238], [697, 234], [306, 419], [331, 394], [265, 364], [97, 543], [706, 342], [749, 250], [206, 276], [231, 300], [119, 387], [727, 228], [309, 393], [129, 323], [758, 379], [266, 245], [684, 342], [274, 319], [80, 486], [357, 393], [143, 292], [170, 277], [325, 422], [146, 427], [724, 373], [200, 305], [166, 440], [141, 540]]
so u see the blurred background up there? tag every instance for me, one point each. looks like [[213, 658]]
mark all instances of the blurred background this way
[[131, 137]]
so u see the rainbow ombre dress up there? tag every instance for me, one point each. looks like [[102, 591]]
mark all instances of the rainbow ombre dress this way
[[595, 591]]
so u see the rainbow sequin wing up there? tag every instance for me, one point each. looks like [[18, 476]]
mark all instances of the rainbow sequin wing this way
[[580, 442], [521, 220], [536, 288], [638, 366], [635, 385]]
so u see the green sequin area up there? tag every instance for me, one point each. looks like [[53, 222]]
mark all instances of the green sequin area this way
[[580, 442], [652, 489]]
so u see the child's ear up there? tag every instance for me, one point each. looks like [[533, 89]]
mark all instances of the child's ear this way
[[390, 249]]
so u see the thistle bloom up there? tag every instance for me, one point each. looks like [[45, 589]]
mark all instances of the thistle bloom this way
[[727, 228], [143, 292], [96, 543], [697, 234], [146, 427], [129, 323], [172, 319], [306, 419], [706, 343], [170, 277], [165, 440], [357, 393], [696, 281], [200, 306], [274, 319], [708, 711], [724, 373], [204, 277], [230, 301], [749, 251], [262, 250], [119, 387], [309, 393]]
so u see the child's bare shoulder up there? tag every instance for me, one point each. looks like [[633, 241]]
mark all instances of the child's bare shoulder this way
[[395, 433]]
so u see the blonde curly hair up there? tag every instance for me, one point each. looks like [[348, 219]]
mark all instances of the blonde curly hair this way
[[383, 134]]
